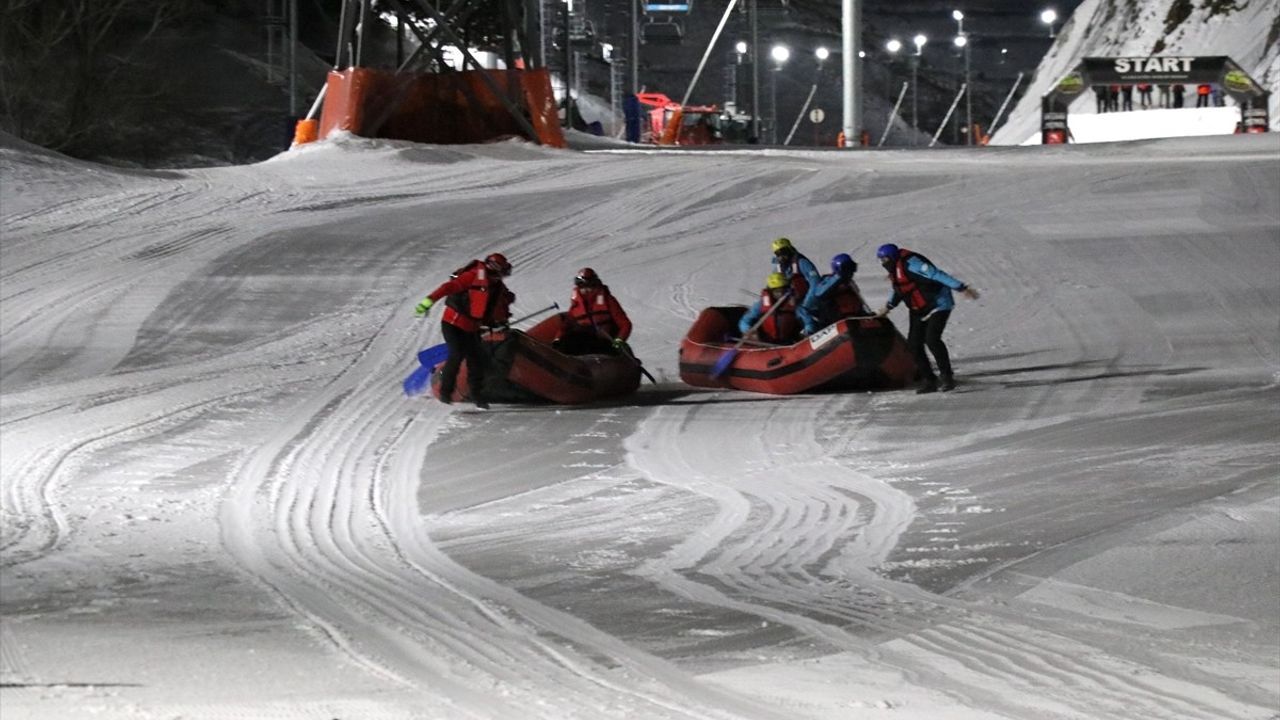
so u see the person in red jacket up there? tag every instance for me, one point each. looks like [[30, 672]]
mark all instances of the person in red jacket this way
[[476, 296], [1202, 94], [595, 322]]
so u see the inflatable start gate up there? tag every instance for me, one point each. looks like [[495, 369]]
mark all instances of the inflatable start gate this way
[[1155, 70], [444, 108]]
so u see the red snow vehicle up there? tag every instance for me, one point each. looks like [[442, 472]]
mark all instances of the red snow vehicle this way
[[671, 123]]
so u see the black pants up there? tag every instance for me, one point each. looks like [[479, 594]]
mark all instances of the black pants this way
[[928, 333], [584, 342], [462, 345]]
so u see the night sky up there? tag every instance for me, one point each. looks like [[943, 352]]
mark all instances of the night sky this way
[[993, 26]]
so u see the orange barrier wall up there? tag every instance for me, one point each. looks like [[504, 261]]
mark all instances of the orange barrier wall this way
[[449, 108]]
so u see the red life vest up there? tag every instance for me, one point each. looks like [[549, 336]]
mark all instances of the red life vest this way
[[476, 297], [595, 308], [782, 326], [847, 301], [917, 292]]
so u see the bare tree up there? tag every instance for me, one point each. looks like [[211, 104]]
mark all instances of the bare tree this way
[[71, 75]]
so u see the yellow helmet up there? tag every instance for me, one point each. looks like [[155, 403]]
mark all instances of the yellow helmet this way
[[782, 244], [775, 281]]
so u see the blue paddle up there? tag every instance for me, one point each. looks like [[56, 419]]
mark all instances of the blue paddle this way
[[418, 380], [429, 358], [722, 365]]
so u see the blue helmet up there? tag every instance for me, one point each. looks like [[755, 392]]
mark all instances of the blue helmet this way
[[888, 250], [843, 265]]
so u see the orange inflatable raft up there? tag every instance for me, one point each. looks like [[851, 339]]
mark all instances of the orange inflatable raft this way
[[850, 354], [524, 367]]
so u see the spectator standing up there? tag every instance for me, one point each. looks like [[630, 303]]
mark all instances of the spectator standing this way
[[1126, 92], [1202, 95], [1144, 95], [1178, 91], [1165, 102]]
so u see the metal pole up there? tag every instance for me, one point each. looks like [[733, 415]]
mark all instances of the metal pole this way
[[947, 119], [915, 98], [1005, 104], [755, 70], [968, 100], [892, 114], [344, 29], [633, 62], [364, 24], [773, 107], [800, 115], [850, 10], [568, 63], [707, 53], [293, 58]]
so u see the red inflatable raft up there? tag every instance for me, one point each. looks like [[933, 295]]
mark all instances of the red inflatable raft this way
[[850, 354], [524, 367]]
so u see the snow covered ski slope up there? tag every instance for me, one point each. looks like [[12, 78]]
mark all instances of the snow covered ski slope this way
[[218, 503]]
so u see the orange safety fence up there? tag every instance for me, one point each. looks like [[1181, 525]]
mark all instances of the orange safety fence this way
[[445, 108]]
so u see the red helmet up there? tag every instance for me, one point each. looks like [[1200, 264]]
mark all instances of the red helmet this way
[[497, 262], [586, 277]]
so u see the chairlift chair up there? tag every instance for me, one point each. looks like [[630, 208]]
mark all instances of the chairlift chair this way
[[661, 32]]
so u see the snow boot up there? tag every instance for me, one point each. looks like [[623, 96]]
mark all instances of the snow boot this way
[[482, 404], [948, 383], [930, 385]]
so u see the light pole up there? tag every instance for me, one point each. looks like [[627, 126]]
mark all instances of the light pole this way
[[1049, 17], [739, 49], [568, 63], [780, 53], [919, 41], [962, 42], [754, 13], [821, 54]]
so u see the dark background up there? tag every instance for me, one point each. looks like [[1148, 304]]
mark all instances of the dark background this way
[[188, 82], [804, 25]]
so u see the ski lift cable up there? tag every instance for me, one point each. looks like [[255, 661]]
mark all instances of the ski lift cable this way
[[710, 46]]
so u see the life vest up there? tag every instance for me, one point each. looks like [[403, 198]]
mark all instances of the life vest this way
[[782, 326], [846, 301], [919, 293], [482, 301], [594, 308]]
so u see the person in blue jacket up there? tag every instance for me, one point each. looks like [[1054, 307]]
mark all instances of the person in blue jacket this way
[[833, 297], [795, 267], [926, 290]]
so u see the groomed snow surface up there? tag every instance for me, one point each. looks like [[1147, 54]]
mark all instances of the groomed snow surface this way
[[218, 504]]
